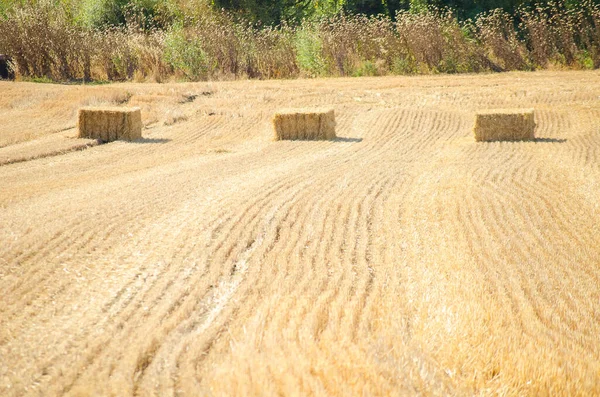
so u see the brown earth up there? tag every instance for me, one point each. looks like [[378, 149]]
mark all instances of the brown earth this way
[[206, 259]]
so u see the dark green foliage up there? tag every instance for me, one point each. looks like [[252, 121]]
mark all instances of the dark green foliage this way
[[274, 11]]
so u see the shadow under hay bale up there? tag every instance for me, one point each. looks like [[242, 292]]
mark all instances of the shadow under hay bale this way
[[304, 124], [110, 124], [6, 71], [504, 125]]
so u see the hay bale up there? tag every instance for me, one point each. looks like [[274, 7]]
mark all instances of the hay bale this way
[[504, 125], [313, 124], [109, 123]]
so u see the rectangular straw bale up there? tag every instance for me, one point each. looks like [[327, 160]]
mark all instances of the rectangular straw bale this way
[[306, 124], [110, 123], [504, 125]]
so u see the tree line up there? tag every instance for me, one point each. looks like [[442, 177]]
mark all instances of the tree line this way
[[158, 40], [162, 13]]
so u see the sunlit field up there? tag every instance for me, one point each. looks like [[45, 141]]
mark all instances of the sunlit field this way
[[401, 258]]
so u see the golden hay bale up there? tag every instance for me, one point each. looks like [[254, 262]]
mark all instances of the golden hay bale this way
[[109, 123], [504, 125], [314, 124]]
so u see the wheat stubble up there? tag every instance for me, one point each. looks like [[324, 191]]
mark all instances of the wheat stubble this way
[[400, 258]]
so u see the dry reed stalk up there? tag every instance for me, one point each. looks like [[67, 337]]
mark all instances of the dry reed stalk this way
[[110, 123], [304, 124], [504, 125]]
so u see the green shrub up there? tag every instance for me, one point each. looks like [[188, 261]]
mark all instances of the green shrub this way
[[404, 65], [366, 68], [101, 13], [309, 52], [450, 64], [585, 60], [186, 55], [42, 80]]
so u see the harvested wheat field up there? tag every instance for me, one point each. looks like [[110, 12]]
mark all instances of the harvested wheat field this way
[[400, 258]]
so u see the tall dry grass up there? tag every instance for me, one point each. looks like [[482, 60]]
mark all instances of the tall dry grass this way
[[45, 43]]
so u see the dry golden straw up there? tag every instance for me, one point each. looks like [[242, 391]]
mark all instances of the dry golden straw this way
[[110, 123], [307, 124], [504, 125], [408, 264]]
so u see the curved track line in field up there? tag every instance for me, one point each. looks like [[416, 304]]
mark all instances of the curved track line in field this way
[[349, 253], [499, 213]]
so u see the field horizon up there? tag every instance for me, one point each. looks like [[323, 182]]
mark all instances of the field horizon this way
[[401, 258]]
